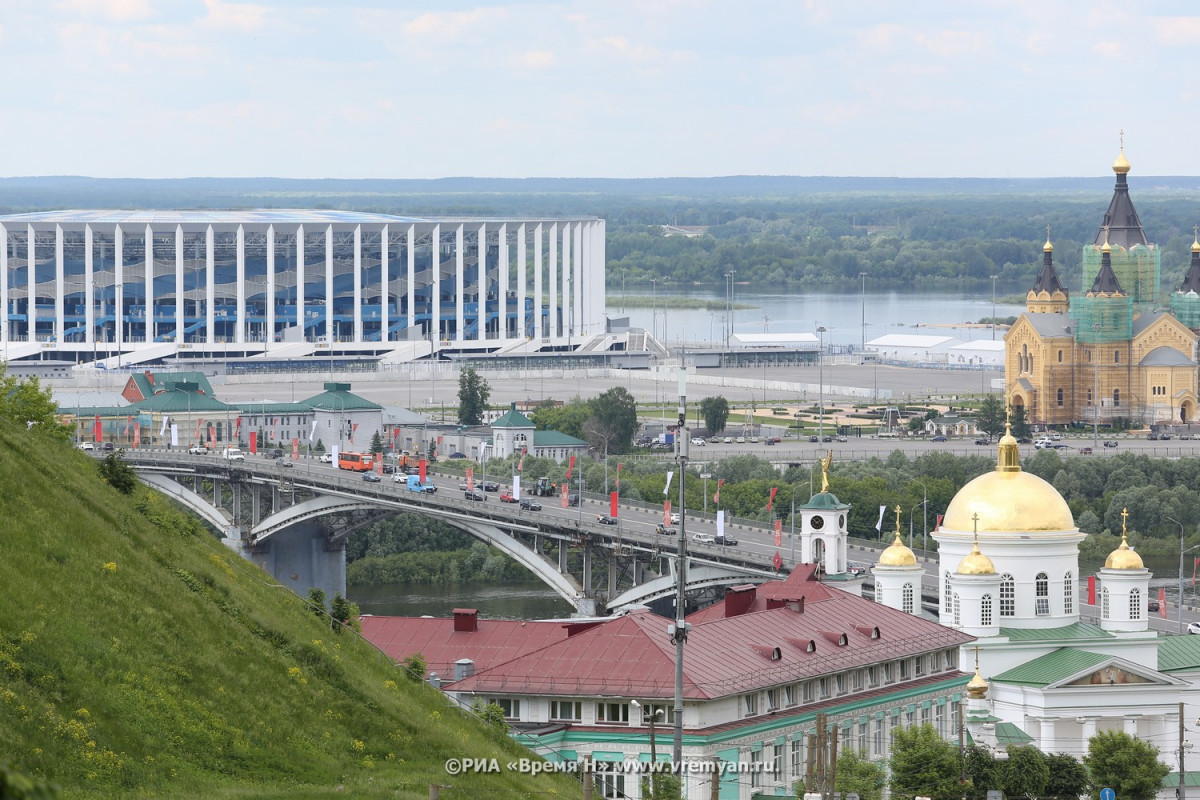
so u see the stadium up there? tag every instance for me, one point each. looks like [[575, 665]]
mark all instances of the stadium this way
[[138, 287]]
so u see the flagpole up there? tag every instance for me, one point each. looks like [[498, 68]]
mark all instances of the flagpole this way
[[679, 630]]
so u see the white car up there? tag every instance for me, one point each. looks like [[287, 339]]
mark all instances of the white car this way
[[674, 518], [197, 450], [233, 454], [1043, 443], [696, 440], [1193, 627], [326, 458], [703, 538], [741, 440], [86, 446]]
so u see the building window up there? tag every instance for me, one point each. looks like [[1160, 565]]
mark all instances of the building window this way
[[1060, 398], [667, 716], [887, 672], [1068, 594], [985, 611], [939, 720], [872, 676], [773, 696], [877, 739], [862, 737], [903, 668], [1089, 397], [756, 758], [1042, 590], [799, 751], [566, 710], [613, 713], [823, 686], [807, 691], [858, 680], [1104, 603], [1116, 356], [920, 664], [612, 785], [1117, 398], [839, 681], [907, 599], [957, 611], [750, 704], [775, 762], [925, 715], [947, 592], [1008, 596], [1060, 356], [910, 718], [789, 694], [1135, 604], [844, 736], [955, 716], [510, 706]]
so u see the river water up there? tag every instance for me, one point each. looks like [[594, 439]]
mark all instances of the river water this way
[[510, 600]]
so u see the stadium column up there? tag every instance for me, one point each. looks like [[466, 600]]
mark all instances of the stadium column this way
[[179, 291], [411, 286], [357, 316], [269, 299], [578, 251], [148, 312], [481, 283], [89, 287], [4, 310], [300, 317], [435, 297], [384, 296], [568, 321], [30, 282], [459, 283], [59, 299], [119, 289], [210, 286], [239, 335], [502, 283], [552, 284], [330, 325], [538, 332], [521, 324]]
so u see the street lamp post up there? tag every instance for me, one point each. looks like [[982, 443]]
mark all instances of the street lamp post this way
[[793, 533], [729, 307], [650, 713], [1182, 552], [705, 476], [821, 388], [994, 307], [653, 307], [924, 518], [863, 346], [679, 630]]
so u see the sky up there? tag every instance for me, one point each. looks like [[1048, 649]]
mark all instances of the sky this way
[[597, 88]]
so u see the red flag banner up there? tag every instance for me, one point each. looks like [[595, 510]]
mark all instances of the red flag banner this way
[[666, 512], [771, 499], [778, 532], [353, 430], [421, 469], [612, 504], [717, 493], [938, 524], [237, 432], [777, 561], [97, 430], [128, 425], [521, 460], [253, 442], [564, 494], [137, 434], [1162, 602], [378, 465], [470, 479], [212, 436], [1194, 565], [199, 422], [1091, 590], [295, 449], [570, 466]]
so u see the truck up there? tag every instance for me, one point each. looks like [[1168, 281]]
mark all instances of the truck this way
[[415, 485], [543, 488]]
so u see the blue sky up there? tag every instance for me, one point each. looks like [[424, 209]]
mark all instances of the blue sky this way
[[597, 88]]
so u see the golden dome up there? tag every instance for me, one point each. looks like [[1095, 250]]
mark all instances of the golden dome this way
[[1195, 241], [1106, 247], [897, 555], [1123, 557], [1121, 165], [976, 563], [977, 687], [1047, 247], [1009, 500]]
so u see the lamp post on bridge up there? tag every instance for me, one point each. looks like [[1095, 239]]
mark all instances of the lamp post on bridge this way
[[924, 517], [793, 533]]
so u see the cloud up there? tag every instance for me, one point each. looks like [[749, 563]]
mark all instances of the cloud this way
[[451, 25], [1178, 30], [243, 17], [948, 43], [117, 10], [1112, 50], [537, 59]]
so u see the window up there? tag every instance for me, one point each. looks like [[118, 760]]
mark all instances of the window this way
[[858, 680], [910, 717], [872, 676], [920, 663], [613, 713], [1117, 397], [955, 713], [985, 611], [789, 694], [925, 715], [566, 710], [773, 696], [877, 738], [1060, 397], [1069, 594], [799, 751], [907, 602], [839, 682], [667, 717], [1104, 603], [887, 672], [1116, 356], [947, 592], [844, 736], [750, 704], [1008, 596], [807, 692], [939, 719], [1060, 356], [612, 785], [510, 706], [1135, 604], [957, 610], [756, 758], [1042, 591], [823, 687], [862, 736], [775, 765], [903, 668], [1089, 397]]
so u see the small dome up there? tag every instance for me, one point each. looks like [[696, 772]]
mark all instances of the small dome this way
[[1106, 247], [1047, 247], [1123, 557], [1196, 243], [897, 555], [976, 563], [977, 687]]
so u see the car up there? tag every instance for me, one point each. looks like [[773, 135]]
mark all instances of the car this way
[[1056, 437], [665, 531], [1193, 627], [938, 439], [662, 446], [715, 440], [490, 486], [326, 458], [283, 463], [674, 517], [1185, 436], [233, 454], [530, 505], [456, 455], [86, 446], [841, 439], [827, 439], [703, 538], [463, 486], [1058, 446], [1024, 440], [813, 439], [698, 441], [195, 450], [389, 469], [770, 442], [753, 440], [983, 440], [776, 439], [728, 440], [371, 477], [475, 495], [1164, 436], [1043, 442], [506, 497], [108, 446], [275, 452], [1087, 451], [1111, 443], [1153, 436], [1152, 604], [726, 540], [605, 519]]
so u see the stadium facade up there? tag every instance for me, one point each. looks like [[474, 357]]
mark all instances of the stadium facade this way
[[142, 286]]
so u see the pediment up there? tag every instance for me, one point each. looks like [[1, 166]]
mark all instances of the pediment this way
[[1114, 672]]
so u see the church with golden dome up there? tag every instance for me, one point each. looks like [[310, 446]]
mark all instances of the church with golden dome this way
[[1054, 664], [1116, 352]]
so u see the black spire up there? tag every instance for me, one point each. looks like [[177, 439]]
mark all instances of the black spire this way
[[1191, 281], [1121, 226], [1047, 279], [1106, 280]]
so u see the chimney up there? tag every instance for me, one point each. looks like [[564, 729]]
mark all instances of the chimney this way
[[466, 620], [149, 376], [739, 599], [463, 669]]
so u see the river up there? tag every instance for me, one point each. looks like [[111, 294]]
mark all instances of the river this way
[[511, 600]]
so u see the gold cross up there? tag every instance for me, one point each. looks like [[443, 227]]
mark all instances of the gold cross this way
[[897, 520], [1124, 516]]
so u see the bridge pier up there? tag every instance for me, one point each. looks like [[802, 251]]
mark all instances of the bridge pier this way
[[301, 557], [612, 575], [562, 556], [255, 507], [587, 568]]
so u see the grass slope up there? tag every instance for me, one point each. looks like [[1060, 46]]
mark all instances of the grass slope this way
[[141, 658]]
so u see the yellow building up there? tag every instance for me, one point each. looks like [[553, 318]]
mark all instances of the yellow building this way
[[1110, 354]]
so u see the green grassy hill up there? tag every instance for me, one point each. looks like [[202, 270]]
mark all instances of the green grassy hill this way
[[141, 658]]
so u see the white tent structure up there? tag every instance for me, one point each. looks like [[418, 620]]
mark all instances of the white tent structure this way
[[913, 347]]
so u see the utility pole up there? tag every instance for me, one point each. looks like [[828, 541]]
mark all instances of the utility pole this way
[[679, 630], [1182, 750]]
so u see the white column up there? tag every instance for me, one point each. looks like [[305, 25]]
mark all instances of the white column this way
[[435, 298], [1089, 730], [522, 252], [239, 335], [89, 287], [179, 284], [210, 286], [148, 250], [329, 326], [119, 297], [565, 286], [552, 283], [357, 316], [300, 283], [1046, 736], [1130, 724], [384, 283], [410, 244], [31, 283], [577, 262], [481, 283], [459, 284], [59, 280], [269, 299], [596, 264], [502, 287], [5, 312], [538, 331]]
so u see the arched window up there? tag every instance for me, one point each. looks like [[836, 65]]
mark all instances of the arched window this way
[[1116, 356], [1008, 596], [1042, 590], [1116, 398], [1069, 593], [946, 592], [1060, 398], [1135, 604], [1104, 603], [1060, 356], [985, 611], [907, 599], [957, 610]]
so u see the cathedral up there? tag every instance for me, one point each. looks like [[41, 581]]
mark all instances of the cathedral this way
[[1114, 353]]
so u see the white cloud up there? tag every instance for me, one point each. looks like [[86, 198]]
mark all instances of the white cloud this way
[[537, 59], [243, 17], [1113, 50], [116, 10], [448, 26], [950, 43], [1178, 30]]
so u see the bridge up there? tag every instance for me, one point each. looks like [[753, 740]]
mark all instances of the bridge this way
[[292, 519]]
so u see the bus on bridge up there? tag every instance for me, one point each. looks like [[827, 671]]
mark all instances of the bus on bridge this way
[[356, 462]]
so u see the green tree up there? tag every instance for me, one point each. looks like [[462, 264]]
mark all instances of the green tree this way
[[316, 601], [983, 772], [473, 394], [856, 773], [414, 667], [1020, 423], [715, 411], [1127, 765], [343, 613], [1025, 774], [117, 473], [319, 447], [569, 418], [990, 418], [376, 443], [1068, 779], [490, 713], [26, 402], [923, 763], [613, 420]]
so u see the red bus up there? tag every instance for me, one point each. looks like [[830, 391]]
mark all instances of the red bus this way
[[356, 462]]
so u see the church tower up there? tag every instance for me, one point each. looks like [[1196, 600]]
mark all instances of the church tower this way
[[823, 527], [1185, 302], [898, 576], [1124, 586], [1048, 295], [975, 592]]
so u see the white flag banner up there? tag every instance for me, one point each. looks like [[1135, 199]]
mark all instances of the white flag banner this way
[[667, 488], [313, 432], [163, 431], [516, 487], [174, 435], [721, 524], [879, 524], [334, 452]]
